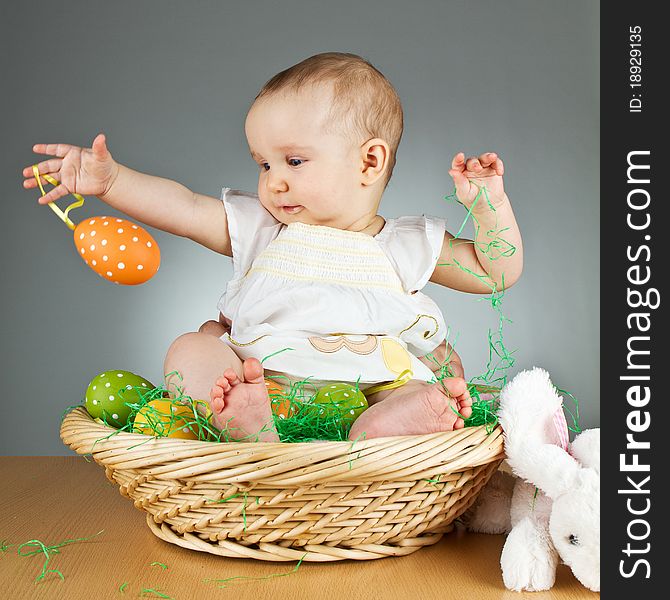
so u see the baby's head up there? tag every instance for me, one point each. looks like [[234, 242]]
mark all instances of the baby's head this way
[[324, 134]]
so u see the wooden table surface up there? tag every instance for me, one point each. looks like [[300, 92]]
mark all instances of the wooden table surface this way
[[53, 499]]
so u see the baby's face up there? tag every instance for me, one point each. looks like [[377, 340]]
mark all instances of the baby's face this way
[[307, 175]]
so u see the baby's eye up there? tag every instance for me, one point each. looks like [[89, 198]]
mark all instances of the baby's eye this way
[[295, 162], [265, 166]]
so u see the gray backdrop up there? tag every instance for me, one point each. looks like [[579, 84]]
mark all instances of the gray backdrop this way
[[170, 84]]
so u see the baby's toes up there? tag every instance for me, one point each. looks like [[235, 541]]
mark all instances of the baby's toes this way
[[253, 371], [216, 394], [231, 377], [465, 410], [217, 404], [221, 386], [455, 386], [465, 405]]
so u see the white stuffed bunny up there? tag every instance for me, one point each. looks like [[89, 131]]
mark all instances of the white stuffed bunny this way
[[555, 505]]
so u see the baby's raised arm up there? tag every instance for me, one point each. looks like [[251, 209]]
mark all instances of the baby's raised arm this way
[[154, 201], [495, 256]]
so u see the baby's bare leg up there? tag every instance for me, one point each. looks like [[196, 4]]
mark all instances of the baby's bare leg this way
[[216, 328], [234, 390], [441, 354]]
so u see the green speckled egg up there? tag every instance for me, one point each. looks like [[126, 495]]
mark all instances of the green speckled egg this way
[[107, 394], [343, 399]]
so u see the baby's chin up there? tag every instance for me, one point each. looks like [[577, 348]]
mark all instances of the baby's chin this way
[[300, 214], [308, 216]]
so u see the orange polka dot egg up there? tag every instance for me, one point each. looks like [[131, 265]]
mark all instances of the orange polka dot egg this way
[[281, 406], [117, 249]]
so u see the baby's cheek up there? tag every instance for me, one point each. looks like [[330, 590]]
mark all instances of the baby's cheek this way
[[264, 199], [266, 202], [336, 198]]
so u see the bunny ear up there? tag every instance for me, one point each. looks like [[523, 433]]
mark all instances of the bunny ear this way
[[586, 449], [528, 404], [546, 466]]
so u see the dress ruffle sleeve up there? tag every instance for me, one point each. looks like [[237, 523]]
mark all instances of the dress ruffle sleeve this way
[[250, 226], [413, 244]]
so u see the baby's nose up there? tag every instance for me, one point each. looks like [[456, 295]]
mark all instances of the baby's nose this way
[[276, 182]]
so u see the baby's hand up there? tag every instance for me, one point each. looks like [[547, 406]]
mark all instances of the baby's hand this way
[[86, 171], [474, 173]]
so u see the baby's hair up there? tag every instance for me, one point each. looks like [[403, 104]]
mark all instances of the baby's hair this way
[[365, 104]]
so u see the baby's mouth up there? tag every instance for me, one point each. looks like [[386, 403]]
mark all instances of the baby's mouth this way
[[292, 209]]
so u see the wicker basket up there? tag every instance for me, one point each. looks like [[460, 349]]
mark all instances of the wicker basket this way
[[320, 501]]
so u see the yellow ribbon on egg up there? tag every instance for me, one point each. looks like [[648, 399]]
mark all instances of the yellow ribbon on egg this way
[[61, 214], [399, 381]]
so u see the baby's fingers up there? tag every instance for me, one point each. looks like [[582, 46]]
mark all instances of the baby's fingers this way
[[31, 183], [59, 150], [465, 410], [46, 166], [487, 159], [491, 160], [473, 164], [458, 162], [58, 192]]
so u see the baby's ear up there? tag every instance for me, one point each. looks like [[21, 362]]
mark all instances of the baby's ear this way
[[375, 154]]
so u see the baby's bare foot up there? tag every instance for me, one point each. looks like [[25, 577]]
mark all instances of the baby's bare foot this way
[[416, 408], [242, 408]]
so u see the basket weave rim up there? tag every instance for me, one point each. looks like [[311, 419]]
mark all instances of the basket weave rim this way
[[280, 463]]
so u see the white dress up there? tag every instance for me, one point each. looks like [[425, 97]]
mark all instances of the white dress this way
[[328, 304]]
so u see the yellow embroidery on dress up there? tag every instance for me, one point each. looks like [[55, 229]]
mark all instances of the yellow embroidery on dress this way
[[380, 269], [426, 334], [330, 249], [344, 282], [327, 232], [241, 344]]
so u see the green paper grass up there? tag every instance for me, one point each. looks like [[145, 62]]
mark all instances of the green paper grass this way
[[309, 422], [153, 593], [48, 551], [574, 416], [304, 423], [225, 582], [500, 358]]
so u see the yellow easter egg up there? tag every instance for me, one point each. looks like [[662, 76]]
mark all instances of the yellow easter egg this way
[[117, 249], [164, 418]]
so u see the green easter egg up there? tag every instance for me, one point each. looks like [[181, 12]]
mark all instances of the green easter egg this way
[[108, 392], [341, 399]]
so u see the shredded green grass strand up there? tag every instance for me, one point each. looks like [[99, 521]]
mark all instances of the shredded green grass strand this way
[[226, 582], [48, 551]]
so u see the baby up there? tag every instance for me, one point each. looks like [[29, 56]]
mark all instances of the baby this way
[[323, 287]]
